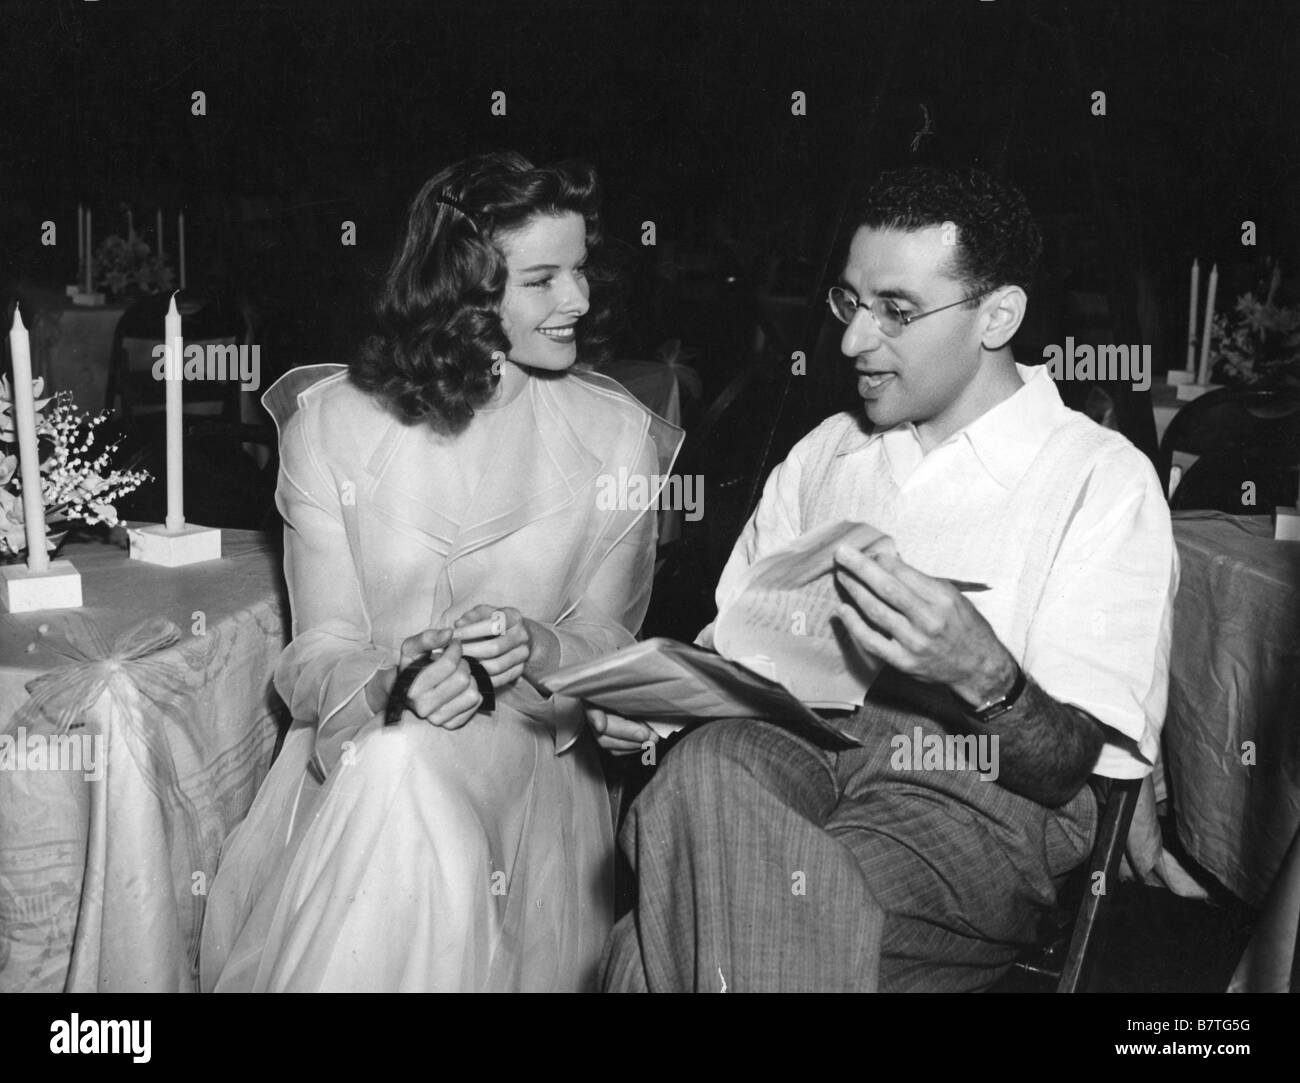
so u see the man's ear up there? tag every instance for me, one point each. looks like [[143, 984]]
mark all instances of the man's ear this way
[[1002, 317]]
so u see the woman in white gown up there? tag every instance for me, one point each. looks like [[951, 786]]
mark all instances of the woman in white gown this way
[[446, 493]]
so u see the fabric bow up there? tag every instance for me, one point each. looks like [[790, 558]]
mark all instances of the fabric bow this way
[[64, 694], [147, 726]]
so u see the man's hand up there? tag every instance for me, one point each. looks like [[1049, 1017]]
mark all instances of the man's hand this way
[[620, 736], [921, 626]]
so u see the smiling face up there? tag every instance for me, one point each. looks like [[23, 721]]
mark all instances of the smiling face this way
[[546, 292], [938, 373]]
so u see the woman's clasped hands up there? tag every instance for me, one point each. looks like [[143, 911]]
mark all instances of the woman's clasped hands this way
[[499, 638], [444, 693]]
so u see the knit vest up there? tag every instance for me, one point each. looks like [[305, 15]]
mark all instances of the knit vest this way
[[1039, 510]]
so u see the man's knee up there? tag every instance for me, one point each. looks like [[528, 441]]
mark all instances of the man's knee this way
[[692, 776], [738, 767], [705, 762]]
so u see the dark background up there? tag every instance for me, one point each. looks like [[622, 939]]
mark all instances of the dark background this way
[[324, 111], [328, 111]]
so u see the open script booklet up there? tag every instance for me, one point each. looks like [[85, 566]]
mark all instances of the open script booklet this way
[[778, 655]]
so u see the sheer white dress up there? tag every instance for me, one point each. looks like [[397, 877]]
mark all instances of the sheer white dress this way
[[431, 859]]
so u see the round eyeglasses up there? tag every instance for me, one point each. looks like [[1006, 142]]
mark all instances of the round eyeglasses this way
[[888, 316]]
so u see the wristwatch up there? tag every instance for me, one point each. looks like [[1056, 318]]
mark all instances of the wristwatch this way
[[995, 708]]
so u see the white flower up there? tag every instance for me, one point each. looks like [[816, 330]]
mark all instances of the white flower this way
[[7, 430], [76, 479]]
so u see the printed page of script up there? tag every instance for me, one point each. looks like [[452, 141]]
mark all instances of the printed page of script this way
[[780, 623]]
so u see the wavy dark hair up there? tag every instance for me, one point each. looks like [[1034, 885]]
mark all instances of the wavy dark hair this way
[[437, 322], [998, 243]]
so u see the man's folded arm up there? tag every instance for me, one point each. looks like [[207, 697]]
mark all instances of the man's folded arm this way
[[1046, 749]]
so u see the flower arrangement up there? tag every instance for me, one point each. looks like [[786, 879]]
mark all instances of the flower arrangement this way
[[1257, 344], [121, 267], [76, 488]]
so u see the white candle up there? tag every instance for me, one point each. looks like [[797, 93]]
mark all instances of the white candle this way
[[81, 243], [90, 249], [28, 461], [130, 226], [1191, 316], [180, 241], [1274, 282], [175, 352], [159, 238], [1203, 377]]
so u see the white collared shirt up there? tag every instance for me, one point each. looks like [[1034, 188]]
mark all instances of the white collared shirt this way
[[1099, 637]]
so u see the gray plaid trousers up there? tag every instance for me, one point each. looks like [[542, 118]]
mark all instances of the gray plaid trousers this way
[[766, 863]]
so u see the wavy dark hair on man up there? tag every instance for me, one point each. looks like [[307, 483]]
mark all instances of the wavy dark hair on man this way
[[437, 323], [998, 243]]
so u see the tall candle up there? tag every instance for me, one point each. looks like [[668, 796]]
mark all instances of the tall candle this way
[[90, 250], [130, 226], [175, 352], [28, 462], [180, 241], [158, 239], [1203, 376], [1274, 282], [1191, 316], [81, 242]]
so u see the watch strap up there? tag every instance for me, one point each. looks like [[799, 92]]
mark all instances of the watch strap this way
[[997, 707]]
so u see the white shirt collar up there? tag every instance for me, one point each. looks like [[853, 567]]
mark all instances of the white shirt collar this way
[[1004, 439]]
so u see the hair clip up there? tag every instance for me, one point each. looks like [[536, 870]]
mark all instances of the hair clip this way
[[456, 205]]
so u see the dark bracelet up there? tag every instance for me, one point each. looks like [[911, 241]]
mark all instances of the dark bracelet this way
[[397, 698]]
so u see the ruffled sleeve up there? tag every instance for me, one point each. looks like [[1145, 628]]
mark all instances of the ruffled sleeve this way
[[323, 672]]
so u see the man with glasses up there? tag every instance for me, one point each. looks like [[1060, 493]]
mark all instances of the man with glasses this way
[[765, 862]]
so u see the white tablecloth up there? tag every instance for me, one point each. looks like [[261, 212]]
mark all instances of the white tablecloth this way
[[102, 881]]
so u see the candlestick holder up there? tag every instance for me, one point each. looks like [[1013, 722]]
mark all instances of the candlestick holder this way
[[1189, 392], [1180, 377], [88, 300], [24, 591], [174, 547]]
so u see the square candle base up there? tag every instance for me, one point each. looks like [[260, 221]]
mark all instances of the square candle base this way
[[1188, 392], [1286, 525], [155, 544], [1180, 376], [24, 591], [89, 300]]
